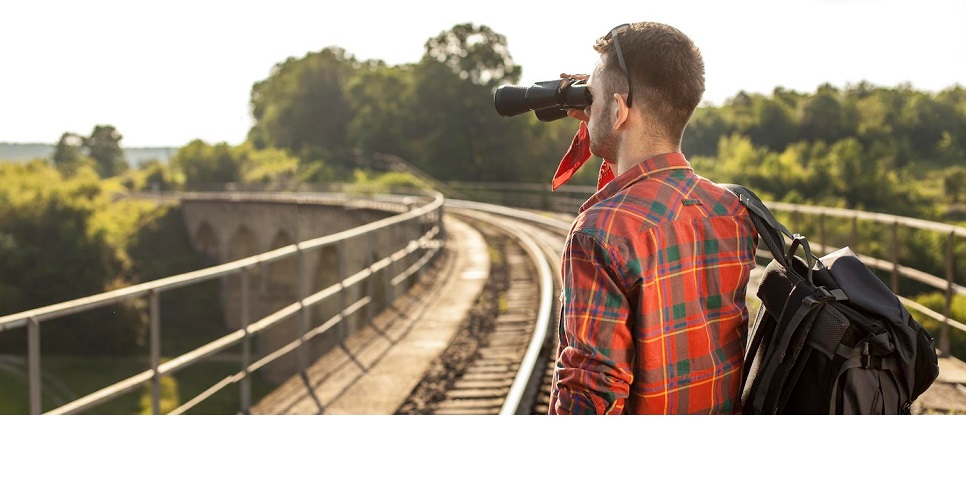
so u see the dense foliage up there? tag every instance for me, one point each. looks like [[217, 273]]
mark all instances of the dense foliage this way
[[330, 108], [66, 235], [62, 239], [863, 147]]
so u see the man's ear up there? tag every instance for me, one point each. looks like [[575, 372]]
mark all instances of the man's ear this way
[[621, 111]]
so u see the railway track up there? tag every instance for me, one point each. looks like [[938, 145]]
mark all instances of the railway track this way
[[507, 368]]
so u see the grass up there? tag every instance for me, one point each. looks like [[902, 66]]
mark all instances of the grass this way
[[84, 375], [14, 399]]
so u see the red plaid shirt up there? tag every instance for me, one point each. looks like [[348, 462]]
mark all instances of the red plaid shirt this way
[[653, 316]]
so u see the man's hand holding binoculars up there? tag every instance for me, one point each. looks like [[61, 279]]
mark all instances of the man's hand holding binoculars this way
[[577, 113]]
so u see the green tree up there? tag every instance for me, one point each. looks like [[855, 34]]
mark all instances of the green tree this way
[[104, 145], [161, 248], [952, 145], [706, 128], [738, 161], [52, 251], [864, 183], [157, 175], [475, 53], [456, 134], [876, 116], [302, 107], [926, 123], [954, 181], [205, 165], [774, 124], [787, 98], [824, 118], [382, 102], [265, 166], [68, 155], [739, 112]]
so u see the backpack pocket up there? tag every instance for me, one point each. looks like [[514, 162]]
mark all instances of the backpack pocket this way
[[867, 382]]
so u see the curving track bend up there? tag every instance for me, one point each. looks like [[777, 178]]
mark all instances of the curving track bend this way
[[511, 369]]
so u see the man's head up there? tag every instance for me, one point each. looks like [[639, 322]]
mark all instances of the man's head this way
[[666, 73]]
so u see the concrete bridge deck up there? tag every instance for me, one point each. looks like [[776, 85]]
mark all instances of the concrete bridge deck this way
[[380, 365]]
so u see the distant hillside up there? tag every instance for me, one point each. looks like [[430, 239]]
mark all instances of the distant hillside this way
[[28, 151]]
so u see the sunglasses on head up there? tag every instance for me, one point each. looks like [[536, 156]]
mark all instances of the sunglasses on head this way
[[620, 56]]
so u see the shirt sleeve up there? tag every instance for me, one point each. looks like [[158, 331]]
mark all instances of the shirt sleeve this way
[[595, 356]]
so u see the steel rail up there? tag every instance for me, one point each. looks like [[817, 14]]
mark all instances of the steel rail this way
[[525, 377], [511, 212]]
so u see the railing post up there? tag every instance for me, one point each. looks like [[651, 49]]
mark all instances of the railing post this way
[[246, 354], [303, 292], [854, 233], [390, 267], [409, 228], [155, 331], [948, 313], [895, 257], [303, 319], [370, 280], [409, 258], [342, 292], [33, 365], [441, 235], [822, 239]]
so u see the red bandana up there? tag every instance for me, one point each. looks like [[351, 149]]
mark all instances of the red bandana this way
[[576, 156]]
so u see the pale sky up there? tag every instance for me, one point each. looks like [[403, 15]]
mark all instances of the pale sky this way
[[165, 73]]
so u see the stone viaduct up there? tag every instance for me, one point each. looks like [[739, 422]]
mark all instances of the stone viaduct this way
[[231, 228]]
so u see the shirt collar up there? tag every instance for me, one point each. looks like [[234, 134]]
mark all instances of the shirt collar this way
[[641, 171]]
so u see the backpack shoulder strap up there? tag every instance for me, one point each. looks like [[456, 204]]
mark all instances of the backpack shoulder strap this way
[[753, 203], [769, 228]]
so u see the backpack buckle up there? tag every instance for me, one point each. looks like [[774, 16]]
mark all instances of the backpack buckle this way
[[822, 294], [866, 357]]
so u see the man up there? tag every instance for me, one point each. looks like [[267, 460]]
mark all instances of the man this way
[[653, 317]]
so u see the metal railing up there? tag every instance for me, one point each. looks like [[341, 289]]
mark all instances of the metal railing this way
[[416, 251]]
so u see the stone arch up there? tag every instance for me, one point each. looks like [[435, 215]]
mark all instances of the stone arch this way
[[282, 282], [242, 244], [281, 290], [377, 284], [206, 241], [325, 274]]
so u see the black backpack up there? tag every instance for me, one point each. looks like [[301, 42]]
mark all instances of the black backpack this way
[[829, 337]]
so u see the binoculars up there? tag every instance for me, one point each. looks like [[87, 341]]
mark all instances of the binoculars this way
[[549, 100]]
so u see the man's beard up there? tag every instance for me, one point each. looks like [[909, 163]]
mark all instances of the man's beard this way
[[604, 141]]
